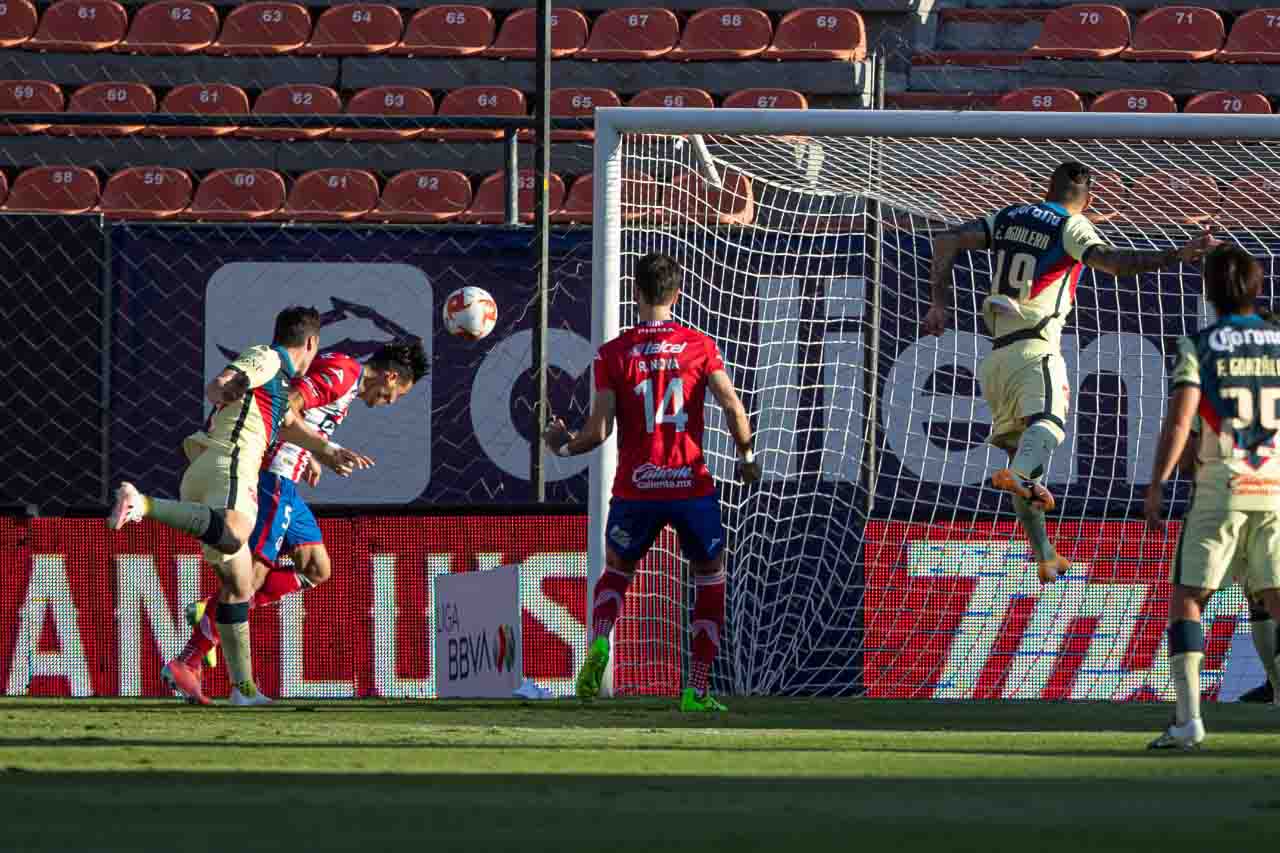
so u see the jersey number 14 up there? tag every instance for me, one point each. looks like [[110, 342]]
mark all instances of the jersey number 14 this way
[[654, 416]]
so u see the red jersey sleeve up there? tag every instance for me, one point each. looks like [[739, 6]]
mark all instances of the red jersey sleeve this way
[[329, 378], [714, 360], [600, 371]]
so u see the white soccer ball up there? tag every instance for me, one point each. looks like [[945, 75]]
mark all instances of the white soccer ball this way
[[470, 313]]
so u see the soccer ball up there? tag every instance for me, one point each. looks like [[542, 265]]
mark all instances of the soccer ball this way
[[470, 313]]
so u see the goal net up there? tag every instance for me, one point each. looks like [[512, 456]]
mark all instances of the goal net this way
[[875, 559]]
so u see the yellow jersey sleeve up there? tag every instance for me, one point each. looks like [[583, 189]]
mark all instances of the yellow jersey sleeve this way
[[1079, 236], [1187, 369], [259, 363]]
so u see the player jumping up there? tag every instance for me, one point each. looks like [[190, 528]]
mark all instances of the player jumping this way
[[285, 523], [654, 378], [218, 494], [1040, 251]]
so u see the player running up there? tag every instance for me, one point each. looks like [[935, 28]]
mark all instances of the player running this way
[[654, 377], [1230, 373], [1040, 251], [219, 496], [285, 524]]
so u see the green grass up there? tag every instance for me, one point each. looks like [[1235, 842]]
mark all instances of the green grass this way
[[775, 774]]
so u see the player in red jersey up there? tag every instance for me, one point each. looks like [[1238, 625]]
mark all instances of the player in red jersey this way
[[654, 379]]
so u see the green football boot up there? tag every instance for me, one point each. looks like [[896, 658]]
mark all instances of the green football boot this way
[[691, 702], [592, 672], [194, 612]]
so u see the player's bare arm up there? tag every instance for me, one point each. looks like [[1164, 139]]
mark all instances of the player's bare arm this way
[[721, 387], [1123, 262], [227, 387], [343, 461], [594, 432], [1173, 439], [946, 245]]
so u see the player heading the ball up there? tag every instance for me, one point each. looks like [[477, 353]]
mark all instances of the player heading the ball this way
[[653, 378], [1041, 249]]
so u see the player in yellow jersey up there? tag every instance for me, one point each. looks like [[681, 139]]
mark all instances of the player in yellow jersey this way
[[1041, 249], [219, 502]]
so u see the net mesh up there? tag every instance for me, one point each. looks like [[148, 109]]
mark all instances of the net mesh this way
[[875, 558]]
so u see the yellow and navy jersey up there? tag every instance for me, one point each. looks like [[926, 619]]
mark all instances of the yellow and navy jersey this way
[[1236, 365], [245, 428], [1037, 253]]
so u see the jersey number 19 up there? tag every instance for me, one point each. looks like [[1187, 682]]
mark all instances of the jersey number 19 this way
[[1017, 278]]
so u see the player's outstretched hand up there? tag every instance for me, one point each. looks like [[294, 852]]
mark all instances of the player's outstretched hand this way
[[344, 461], [312, 475], [1194, 250], [935, 322], [749, 472], [1153, 507], [556, 435]]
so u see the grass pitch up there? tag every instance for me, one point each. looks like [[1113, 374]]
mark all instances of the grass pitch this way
[[774, 774]]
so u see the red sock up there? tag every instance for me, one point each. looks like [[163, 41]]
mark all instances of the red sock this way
[[708, 623], [205, 635], [606, 606], [277, 586]]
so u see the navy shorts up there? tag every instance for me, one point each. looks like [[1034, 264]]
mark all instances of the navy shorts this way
[[634, 525], [284, 519]]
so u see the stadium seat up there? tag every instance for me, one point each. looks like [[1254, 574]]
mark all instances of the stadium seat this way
[[108, 98], [519, 34], [53, 189], [424, 195], [1171, 197], [202, 99], [1177, 34], [355, 29], [447, 31], [263, 29], [1107, 197], [235, 194], [724, 33], [767, 99], [1048, 100], [146, 192], [810, 34], [1253, 38], [171, 27], [634, 33], [493, 101], [294, 99], [689, 196], [577, 103], [387, 101], [17, 22], [29, 96], [578, 202], [1085, 31], [4, 186], [1228, 103], [672, 96], [1134, 101], [80, 26], [489, 206], [331, 194], [1251, 202]]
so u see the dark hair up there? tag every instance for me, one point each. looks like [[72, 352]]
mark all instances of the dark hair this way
[[406, 357], [295, 324], [1070, 182], [658, 278], [1232, 279]]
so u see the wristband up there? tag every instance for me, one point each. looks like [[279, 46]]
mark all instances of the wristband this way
[[563, 451], [334, 445], [747, 456]]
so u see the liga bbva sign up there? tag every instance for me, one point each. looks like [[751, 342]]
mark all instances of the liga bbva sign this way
[[477, 643]]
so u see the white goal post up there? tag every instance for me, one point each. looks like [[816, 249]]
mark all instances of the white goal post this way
[[874, 559]]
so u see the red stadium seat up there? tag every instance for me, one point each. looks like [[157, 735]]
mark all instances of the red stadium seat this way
[[447, 31], [489, 206], [577, 103], [1229, 103], [81, 26], [1177, 34], [356, 29], [54, 189], [17, 22], [1048, 100], [1134, 101], [767, 99], [424, 195], [108, 98], [1108, 197], [331, 194], [578, 202], [724, 33], [1255, 37], [235, 194], [171, 27], [263, 29], [294, 99], [689, 196], [1252, 201], [1084, 31], [202, 99], [492, 101], [518, 37], [29, 96], [146, 192], [4, 187], [1171, 197], [636, 33], [672, 96], [387, 101], [809, 34], [640, 194]]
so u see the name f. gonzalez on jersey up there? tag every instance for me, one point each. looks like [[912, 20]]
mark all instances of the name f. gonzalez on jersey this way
[[1236, 364]]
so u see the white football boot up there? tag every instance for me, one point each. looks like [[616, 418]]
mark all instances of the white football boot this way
[[249, 698], [1187, 736]]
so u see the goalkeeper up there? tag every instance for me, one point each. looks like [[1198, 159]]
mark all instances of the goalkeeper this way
[[1040, 251]]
